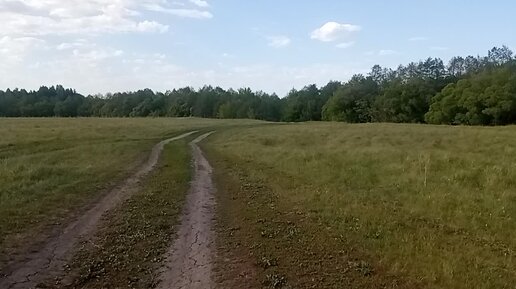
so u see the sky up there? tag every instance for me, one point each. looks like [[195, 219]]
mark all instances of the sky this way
[[99, 46]]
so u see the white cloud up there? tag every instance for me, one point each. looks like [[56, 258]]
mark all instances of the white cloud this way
[[59, 17], [189, 13], [333, 31], [200, 3], [13, 50], [387, 52], [279, 41], [151, 26], [70, 45], [418, 38], [180, 12], [54, 41], [92, 17], [344, 45], [96, 55]]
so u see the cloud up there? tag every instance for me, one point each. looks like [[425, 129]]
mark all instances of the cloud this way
[[97, 69], [151, 26], [13, 50], [180, 12], [69, 45], [387, 52], [96, 55], [200, 3], [418, 38], [333, 31], [344, 45], [185, 13], [61, 17], [279, 41], [84, 52]]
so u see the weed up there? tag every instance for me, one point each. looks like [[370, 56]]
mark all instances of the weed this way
[[267, 262], [275, 281]]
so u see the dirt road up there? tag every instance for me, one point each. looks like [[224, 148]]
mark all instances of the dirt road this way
[[48, 261], [189, 260]]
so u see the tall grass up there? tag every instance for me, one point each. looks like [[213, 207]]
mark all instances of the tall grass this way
[[434, 203]]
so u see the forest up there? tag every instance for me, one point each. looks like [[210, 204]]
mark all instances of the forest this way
[[472, 90]]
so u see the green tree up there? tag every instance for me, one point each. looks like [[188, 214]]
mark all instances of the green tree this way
[[486, 98], [352, 102]]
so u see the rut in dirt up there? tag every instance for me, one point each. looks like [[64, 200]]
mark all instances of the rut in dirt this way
[[49, 260], [188, 263]]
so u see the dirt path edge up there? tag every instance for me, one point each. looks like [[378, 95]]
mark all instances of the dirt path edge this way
[[48, 261]]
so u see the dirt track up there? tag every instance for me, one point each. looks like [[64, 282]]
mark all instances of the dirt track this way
[[189, 260], [48, 261]]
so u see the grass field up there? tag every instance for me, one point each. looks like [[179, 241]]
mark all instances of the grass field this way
[[433, 205], [313, 205], [50, 168]]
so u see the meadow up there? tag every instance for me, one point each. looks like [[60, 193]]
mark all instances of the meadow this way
[[50, 169], [308, 204], [433, 205]]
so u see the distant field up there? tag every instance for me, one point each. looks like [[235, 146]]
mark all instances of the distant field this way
[[434, 205], [51, 167]]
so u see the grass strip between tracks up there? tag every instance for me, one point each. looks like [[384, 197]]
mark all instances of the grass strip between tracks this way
[[128, 248]]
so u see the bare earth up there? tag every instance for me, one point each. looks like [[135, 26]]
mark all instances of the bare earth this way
[[48, 261], [189, 260]]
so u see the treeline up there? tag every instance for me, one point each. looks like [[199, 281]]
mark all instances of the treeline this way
[[207, 102], [471, 90]]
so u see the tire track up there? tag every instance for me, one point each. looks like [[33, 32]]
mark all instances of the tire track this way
[[188, 263], [50, 259]]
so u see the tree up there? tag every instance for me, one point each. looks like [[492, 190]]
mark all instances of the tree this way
[[303, 105], [486, 98], [457, 66], [352, 102], [500, 56]]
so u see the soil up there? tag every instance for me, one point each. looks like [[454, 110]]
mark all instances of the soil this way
[[28, 270], [189, 261]]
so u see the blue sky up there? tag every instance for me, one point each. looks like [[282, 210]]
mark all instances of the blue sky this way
[[98, 46]]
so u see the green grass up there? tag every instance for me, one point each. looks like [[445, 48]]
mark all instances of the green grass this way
[[129, 247], [265, 242], [434, 205], [51, 168], [317, 204]]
